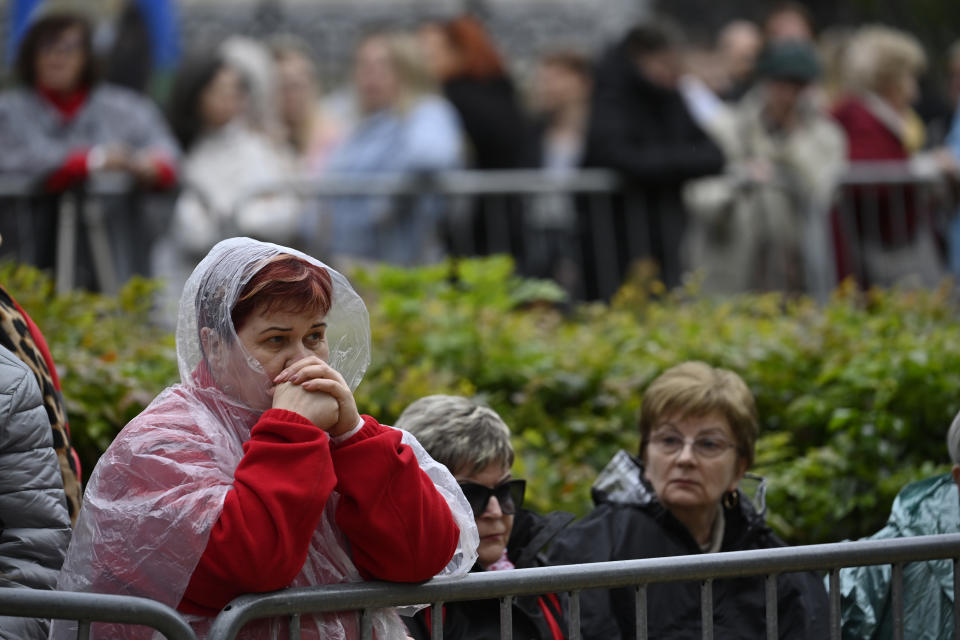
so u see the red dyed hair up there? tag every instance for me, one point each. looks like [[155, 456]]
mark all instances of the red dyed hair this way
[[478, 55], [285, 283]]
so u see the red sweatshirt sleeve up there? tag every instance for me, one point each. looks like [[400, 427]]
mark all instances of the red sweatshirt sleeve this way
[[166, 174], [399, 526], [260, 541], [72, 171]]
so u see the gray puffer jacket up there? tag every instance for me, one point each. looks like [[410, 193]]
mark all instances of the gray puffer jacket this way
[[34, 523]]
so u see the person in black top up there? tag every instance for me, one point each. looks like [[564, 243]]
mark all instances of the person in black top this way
[[641, 127]]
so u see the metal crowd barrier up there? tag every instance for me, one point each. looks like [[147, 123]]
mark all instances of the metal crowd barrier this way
[[87, 608], [583, 228], [891, 221], [705, 568]]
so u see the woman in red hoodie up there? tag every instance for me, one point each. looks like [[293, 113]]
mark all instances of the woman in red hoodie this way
[[256, 472]]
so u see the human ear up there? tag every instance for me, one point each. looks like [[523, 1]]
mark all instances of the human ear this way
[[741, 471], [212, 346], [955, 472]]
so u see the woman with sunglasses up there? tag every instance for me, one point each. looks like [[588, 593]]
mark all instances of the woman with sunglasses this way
[[473, 442], [685, 495]]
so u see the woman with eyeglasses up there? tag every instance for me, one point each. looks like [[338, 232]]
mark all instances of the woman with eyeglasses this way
[[473, 442], [686, 494]]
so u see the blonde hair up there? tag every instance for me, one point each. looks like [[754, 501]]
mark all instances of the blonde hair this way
[[879, 56], [694, 389], [408, 62]]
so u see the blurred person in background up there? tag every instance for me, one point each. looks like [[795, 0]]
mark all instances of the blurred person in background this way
[[888, 227], [405, 126], [952, 143], [309, 130], [225, 158], [762, 225], [922, 508], [788, 21], [738, 46], [255, 62], [463, 57], [473, 442], [687, 494], [641, 127], [65, 127], [561, 105]]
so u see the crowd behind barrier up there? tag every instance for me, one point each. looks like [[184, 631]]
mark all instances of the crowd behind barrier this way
[[640, 574], [870, 208]]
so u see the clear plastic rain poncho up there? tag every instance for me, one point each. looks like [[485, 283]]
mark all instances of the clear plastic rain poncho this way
[[158, 490]]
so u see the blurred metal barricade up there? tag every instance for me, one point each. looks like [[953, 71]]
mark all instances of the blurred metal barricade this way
[[95, 236], [890, 224]]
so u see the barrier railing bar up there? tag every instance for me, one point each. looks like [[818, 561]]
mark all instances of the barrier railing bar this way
[[295, 627], [573, 578], [88, 607], [771, 607], [366, 624], [574, 624], [66, 242], [506, 618], [606, 256], [834, 604], [436, 621], [706, 609], [641, 604], [901, 230], [83, 630], [956, 600], [897, 595]]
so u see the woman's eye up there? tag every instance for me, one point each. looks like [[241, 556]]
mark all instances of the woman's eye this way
[[671, 441], [315, 338], [276, 340], [709, 445]]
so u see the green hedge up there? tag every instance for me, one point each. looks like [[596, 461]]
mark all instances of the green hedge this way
[[855, 396]]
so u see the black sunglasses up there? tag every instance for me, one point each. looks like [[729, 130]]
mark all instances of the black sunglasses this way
[[509, 495]]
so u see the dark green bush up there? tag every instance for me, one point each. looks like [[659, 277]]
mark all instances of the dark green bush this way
[[855, 396]]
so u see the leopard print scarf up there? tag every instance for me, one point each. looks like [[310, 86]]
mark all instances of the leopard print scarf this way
[[15, 336]]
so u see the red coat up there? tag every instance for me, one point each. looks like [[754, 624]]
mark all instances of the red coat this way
[[885, 216]]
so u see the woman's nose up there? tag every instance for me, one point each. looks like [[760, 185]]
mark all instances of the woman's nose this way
[[493, 508], [686, 455], [298, 352]]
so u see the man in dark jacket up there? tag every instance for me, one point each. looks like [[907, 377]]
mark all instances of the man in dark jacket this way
[[641, 127]]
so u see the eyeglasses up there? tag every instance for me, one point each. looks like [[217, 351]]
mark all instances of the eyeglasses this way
[[703, 447], [509, 494]]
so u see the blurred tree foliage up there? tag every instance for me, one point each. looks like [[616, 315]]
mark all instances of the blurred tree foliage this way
[[855, 396]]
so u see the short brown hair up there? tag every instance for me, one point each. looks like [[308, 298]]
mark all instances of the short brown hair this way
[[696, 389], [286, 283]]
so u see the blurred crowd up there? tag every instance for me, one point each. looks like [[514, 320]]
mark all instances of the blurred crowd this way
[[730, 153]]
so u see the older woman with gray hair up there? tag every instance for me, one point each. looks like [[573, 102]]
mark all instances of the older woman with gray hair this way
[[473, 442], [925, 507]]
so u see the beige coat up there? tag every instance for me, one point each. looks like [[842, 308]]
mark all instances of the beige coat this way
[[762, 225]]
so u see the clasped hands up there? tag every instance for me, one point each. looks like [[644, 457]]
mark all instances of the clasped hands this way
[[318, 392]]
